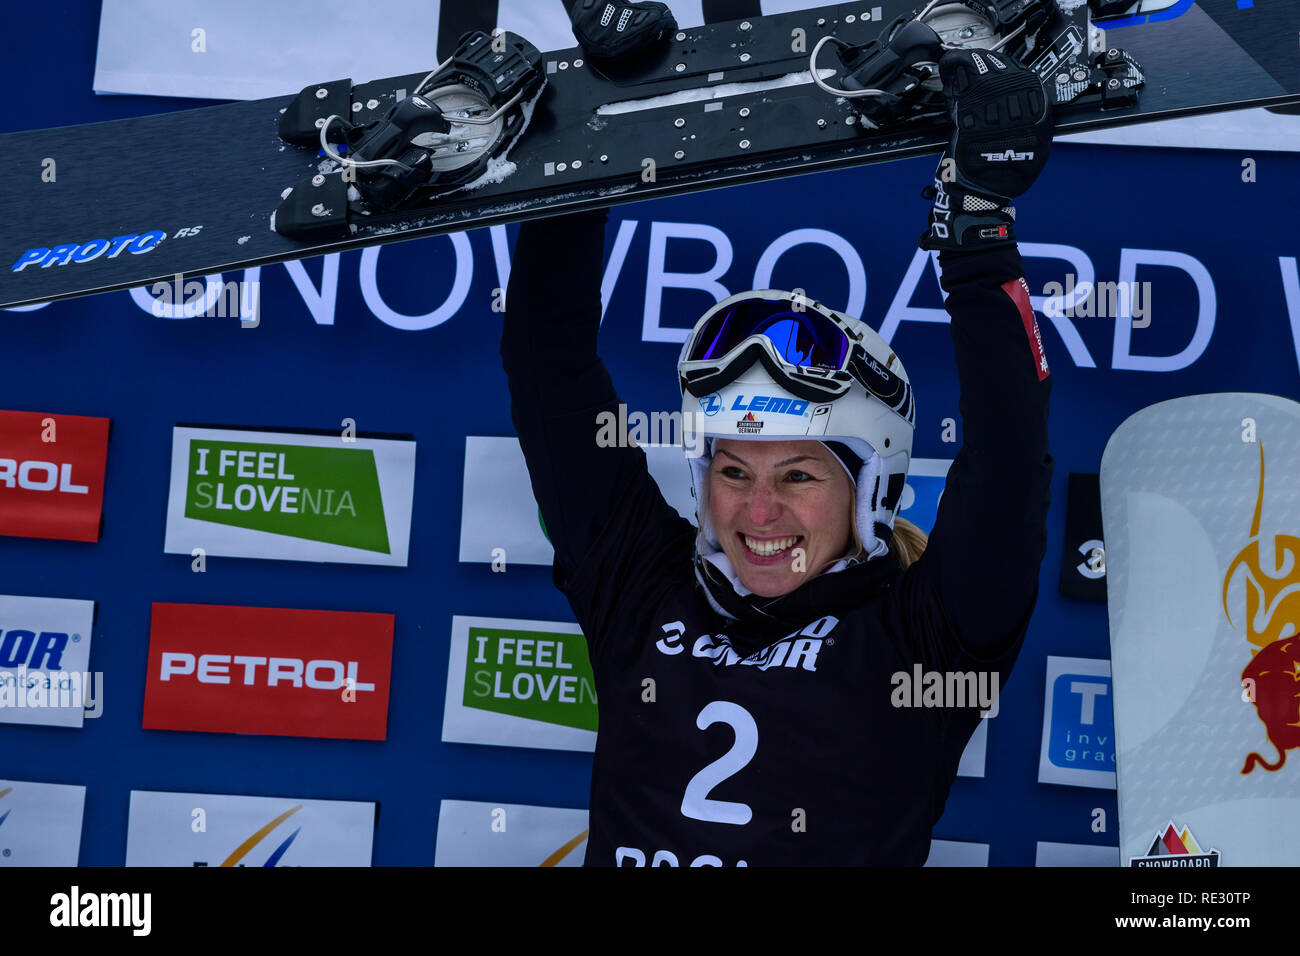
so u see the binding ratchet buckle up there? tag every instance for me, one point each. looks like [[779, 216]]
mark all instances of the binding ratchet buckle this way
[[895, 77], [464, 114]]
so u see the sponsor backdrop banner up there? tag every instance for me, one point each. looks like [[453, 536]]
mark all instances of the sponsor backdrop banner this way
[[403, 340], [1078, 725], [297, 497], [52, 475], [262, 670], [209, 829], [45, 675], [40, 823], [508, 834], [1075, 854], [519, 684], [500, 511]]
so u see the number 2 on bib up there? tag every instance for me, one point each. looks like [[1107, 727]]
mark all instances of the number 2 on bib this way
[[695, 802]]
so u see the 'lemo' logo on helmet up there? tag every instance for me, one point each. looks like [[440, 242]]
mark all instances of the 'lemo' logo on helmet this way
[[770, 403]]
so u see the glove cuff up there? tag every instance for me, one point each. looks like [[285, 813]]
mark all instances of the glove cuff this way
[[965, 220]]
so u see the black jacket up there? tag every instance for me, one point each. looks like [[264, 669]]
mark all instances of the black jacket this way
[[799, 753]]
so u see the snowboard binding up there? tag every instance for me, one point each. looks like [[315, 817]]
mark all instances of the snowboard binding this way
[[894, 78], [448, 134], [895, 74]]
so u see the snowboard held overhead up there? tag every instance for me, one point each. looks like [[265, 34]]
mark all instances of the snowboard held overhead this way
[[434, 138], [501, 132]]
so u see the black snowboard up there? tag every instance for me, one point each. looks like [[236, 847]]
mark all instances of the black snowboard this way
[[141, 200]]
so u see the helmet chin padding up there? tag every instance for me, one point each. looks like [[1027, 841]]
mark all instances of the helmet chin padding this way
[[700, 491]]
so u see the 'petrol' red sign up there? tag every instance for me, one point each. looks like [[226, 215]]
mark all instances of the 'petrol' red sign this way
[[262, 670], [52, 475]]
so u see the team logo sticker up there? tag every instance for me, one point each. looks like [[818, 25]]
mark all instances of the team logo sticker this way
[[290, 496], [1172, 847]]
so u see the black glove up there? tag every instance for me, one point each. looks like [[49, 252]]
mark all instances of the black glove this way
[[607, 29], [1002, 136]]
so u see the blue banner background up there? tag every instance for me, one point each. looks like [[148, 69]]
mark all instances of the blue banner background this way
[[106, 356]]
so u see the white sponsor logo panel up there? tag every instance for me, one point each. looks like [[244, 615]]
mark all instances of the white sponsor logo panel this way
[[209, 829], [40, 823], [45, 675], [394, 463], [509, 834]]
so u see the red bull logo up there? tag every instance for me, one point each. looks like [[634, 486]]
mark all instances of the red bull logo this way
[[1272, 678]]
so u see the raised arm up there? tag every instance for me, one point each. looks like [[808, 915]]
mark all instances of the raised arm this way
[[603, 512], [990, 535], [980, 568]]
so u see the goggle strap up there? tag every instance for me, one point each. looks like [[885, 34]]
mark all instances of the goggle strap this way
[[882, 383]]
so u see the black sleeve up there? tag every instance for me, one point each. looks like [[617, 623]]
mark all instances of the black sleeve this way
[[978, 577], [604, 514]]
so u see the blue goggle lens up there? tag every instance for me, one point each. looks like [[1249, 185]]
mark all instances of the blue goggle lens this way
[[802, 339]]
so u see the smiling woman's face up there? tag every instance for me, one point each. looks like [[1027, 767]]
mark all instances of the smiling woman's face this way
[[781, 510]]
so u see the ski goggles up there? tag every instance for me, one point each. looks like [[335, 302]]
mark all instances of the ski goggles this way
[[805, 349]]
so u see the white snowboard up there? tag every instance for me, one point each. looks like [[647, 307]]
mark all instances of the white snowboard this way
[[1201, 516]]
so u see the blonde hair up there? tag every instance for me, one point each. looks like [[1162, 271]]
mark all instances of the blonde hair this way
[[907, 543]]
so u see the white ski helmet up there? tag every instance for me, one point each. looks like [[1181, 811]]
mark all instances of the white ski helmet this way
[[768, 365]]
